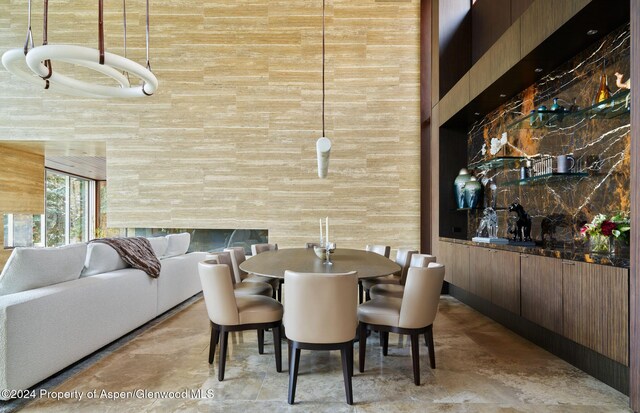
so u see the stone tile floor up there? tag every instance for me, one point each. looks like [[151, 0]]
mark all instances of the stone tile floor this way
[[481, 367]]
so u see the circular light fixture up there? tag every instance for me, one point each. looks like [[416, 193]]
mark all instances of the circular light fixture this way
[[502, 95], [89, 58], [538, 70], [14, 61], [476, 113], [592, 32]]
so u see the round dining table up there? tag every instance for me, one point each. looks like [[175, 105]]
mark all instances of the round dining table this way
[[275, 263]]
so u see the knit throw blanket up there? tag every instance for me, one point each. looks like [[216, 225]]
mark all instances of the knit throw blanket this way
[[135, 251]]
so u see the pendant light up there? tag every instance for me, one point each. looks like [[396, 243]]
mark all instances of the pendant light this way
[[323, 145], [38, 59]]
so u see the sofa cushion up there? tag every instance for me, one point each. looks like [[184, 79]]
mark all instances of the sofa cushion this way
[[177, 244], [29, 268], [159, 245], [101, 258]]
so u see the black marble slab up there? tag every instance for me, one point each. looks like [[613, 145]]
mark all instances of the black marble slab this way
[[568, 251]]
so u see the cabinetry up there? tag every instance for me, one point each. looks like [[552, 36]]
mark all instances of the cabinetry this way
[[496, 277], [596, 308], [455, 257], [541, 291]]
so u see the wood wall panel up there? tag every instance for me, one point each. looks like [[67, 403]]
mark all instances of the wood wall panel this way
[[634, 274], [21, 185], [541, 291], [228, 141], [456, 99], [505, 280], [595, 307]]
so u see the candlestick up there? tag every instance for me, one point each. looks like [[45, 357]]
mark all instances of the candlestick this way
[[327, 230]]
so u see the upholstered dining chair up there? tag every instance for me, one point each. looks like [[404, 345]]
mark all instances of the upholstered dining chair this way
[[383, 250], [230, 313], [240, 289], [396, 290], [412, 315], [237, 258], [277, 283], [320, 314], [403, 258]]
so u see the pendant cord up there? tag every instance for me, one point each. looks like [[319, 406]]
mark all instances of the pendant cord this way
[[29, 41], [323, 53], [45, 41], [124, 24], [101, 30], [148, 64]]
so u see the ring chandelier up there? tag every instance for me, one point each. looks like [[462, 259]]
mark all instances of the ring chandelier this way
[[33, 64]]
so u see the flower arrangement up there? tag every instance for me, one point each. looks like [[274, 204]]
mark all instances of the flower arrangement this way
[[617, 226]]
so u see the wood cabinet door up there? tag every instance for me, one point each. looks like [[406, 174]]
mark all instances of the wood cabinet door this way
[[505, 280], [596, 308], [445, 257], [541, 291], [480, 269], [460, 266]]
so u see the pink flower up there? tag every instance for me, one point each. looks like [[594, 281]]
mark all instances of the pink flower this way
[[583, 230]]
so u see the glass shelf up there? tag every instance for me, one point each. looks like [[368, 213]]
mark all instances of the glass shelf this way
[[501, 161], [552, 177], [607, 109]]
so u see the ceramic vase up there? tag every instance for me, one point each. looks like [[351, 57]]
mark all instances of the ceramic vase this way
[[458, 187], [472, 191]]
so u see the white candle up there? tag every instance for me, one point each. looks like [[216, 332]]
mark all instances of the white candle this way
[[321, 231], [327, 230]]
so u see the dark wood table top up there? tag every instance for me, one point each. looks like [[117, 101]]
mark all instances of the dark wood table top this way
[[275, 263]]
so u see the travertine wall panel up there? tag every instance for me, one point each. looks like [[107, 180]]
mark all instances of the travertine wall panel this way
[[228, 141]]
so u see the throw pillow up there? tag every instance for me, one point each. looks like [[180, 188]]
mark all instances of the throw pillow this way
[[101, 258], [177, 244]]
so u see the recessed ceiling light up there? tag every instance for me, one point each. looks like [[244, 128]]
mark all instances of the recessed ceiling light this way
[[502, 95], [592, 32], [538, 70], [476, 113]]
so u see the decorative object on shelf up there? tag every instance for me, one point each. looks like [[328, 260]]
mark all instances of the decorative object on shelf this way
[[603, 91], [497, 144], [558, 109], [602, 231], [323, 144], [532, 118], [472, 191], [565, 163], [542, 165], [458, 186], [118, 68], [525, 170], [542, 116], [624, 85], [488, 230], [522, 231]]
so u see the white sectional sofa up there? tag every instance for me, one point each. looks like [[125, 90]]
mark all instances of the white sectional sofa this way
[[45, 329]]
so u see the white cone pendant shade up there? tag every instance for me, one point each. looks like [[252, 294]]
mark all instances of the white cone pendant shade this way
[[323, 150]]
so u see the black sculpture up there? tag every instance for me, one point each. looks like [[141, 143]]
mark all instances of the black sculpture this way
[[523, 223]]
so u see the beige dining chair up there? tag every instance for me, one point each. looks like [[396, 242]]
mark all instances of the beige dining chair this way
[[238, 257], [230, 313], [320, 314], [383, 250], [413, 315], [240, 289], [257, 249], [403, 258], [396, 290]]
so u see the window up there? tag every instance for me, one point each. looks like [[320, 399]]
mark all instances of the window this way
[[23, 230], [69, 209]]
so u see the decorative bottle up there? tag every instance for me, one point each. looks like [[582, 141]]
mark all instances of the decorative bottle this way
[[458, 186], [603, 91]]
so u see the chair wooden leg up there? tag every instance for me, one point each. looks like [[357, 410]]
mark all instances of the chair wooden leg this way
[[360, 292], [280, 291], [289, 353], [384, 337], [212, 344], [432, 351], [350, 359], [344, 353], [415, 353], [277, 345], [362, 327], [293, 373], [260, 341], [223, 354]]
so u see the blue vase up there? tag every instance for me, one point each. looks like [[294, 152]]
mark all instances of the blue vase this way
[[459, 185], [472, 190]]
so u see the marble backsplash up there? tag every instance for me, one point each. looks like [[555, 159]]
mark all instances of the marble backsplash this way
[[599, 143]]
